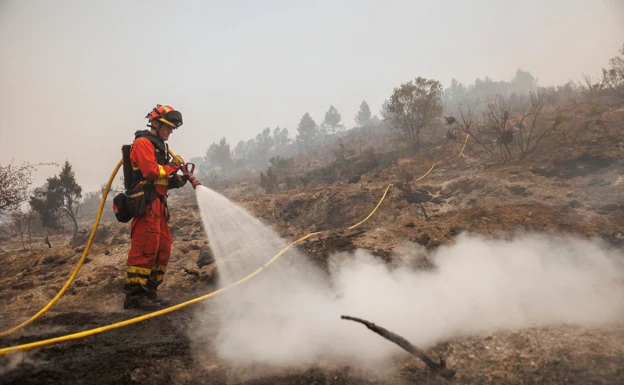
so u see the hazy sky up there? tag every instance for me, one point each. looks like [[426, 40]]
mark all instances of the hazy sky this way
[[78, 77]]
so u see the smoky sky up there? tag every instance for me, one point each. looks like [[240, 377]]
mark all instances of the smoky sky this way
[[78, 77]]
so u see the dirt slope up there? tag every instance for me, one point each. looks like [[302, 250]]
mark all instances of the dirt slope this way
[[582, 194]]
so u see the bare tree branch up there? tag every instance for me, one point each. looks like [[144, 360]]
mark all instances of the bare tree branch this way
[[436, 367]]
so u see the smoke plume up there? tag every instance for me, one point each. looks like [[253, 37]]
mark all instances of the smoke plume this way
[[290, 313]]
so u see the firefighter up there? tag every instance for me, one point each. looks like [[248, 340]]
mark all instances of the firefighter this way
[[153, 173]]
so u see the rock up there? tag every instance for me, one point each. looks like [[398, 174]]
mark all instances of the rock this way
[[190, 247], [437, 200], [107, 252], [205, 257], [23, 285], [79, 250], [355, 179], [101, 235], [191, 272], [574, 204], [409, 224], [87, 260], [609, 208], [455, 230], [420, 196], [423, 239], [82, 237], [117, 240], [547, 171], [50, 259], [174, 228], [518, 190], [210, 276], [597, 182], [446, 192], [55, 260]]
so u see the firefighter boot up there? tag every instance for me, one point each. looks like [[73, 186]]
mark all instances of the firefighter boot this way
[[155, 279], [152, 295], [141, 302]]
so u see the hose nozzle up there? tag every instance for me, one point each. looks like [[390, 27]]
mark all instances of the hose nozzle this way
[[188, 169]]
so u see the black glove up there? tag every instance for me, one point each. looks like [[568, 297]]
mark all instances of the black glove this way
[[178, 181]]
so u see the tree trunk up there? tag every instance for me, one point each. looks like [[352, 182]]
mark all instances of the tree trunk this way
[[22, 239], [73, 218], [29, 234]]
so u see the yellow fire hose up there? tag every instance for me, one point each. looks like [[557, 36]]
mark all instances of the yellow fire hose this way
[[86, 333]]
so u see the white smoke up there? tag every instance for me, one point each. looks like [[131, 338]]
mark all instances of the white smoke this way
[[290, 313], [15, 360]]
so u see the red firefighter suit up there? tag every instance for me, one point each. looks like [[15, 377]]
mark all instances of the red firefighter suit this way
[[150, 234]]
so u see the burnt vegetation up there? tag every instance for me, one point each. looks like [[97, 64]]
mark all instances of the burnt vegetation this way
[[497, 122]]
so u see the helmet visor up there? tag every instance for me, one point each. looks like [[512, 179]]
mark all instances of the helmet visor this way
[[174, 117]]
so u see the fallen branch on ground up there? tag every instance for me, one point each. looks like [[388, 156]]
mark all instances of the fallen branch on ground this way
[[436, 367], [423, 210]]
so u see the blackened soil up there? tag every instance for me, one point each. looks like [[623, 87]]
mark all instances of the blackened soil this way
[[156, 351]]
